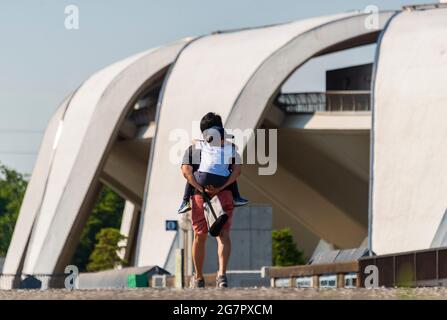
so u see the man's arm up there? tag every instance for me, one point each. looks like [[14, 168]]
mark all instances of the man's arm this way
[[189, 176], [236, 170]]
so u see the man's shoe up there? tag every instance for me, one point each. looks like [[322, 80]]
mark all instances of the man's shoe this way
[[184, 207], [197, 283], [222, 281], [239, 201]]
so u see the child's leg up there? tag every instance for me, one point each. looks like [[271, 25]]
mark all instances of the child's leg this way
[[235, 190], [189, 191]]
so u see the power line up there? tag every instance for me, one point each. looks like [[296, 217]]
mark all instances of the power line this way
[[24, 131], [18, 152]]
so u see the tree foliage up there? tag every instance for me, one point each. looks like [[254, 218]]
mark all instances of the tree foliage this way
[[107, 213], [12, 190], [105, 255], [285, 252]]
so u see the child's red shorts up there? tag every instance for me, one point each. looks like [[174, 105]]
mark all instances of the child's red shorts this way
[[199, 224]]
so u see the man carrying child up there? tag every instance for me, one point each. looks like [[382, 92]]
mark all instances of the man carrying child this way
[[212, 166]]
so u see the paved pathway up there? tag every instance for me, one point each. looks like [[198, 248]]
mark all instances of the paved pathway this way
[[234, 294]]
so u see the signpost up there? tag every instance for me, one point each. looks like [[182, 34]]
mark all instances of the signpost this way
[[171, 225]]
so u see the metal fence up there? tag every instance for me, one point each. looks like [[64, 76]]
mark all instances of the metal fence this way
[[409, 269], [310, 102]]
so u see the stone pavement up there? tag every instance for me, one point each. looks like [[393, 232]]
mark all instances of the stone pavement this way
[[230, 294]]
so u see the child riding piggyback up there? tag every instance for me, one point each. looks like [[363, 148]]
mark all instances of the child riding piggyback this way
[[211, 159]]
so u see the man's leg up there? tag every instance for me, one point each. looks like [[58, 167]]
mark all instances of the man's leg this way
[[235, 190], [198, 253], [224, 251]]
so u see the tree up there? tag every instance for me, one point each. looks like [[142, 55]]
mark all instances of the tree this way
[[12, 191], [105, 255], [285, 252], [107, 213]]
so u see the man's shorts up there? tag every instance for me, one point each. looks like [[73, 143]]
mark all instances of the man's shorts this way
[[199, 224]]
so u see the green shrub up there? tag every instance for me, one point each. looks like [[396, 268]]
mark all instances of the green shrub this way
[[285, 252], [105, 255]]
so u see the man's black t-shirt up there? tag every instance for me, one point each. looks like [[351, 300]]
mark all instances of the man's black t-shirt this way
[[192, 157]]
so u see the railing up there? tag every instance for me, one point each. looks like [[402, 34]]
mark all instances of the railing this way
[[310, 102], [421, 268], [312, 274]]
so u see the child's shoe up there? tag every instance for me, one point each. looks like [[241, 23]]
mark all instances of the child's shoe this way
[[184, 207], [239, 201]]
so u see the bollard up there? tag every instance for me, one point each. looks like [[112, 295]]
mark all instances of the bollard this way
[[179, 270], [316, 281], [340, 280]]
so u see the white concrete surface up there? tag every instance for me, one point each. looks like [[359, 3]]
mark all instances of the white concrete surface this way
[[35, 192], [330, 121], [410, 131]]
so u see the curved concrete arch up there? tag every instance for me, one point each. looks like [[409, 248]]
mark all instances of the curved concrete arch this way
[[34, 192], [219, 73], [409, 133], [91, 125], [260, 90]]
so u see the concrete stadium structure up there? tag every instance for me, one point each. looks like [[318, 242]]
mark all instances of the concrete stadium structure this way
[[114, 130]]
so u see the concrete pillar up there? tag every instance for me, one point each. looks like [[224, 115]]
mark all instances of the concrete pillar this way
[[179, 274], [187, 235], [251, 236], [316, 281], [340, 280]]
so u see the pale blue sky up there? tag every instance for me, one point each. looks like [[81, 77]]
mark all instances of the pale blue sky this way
[[41, 62]]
